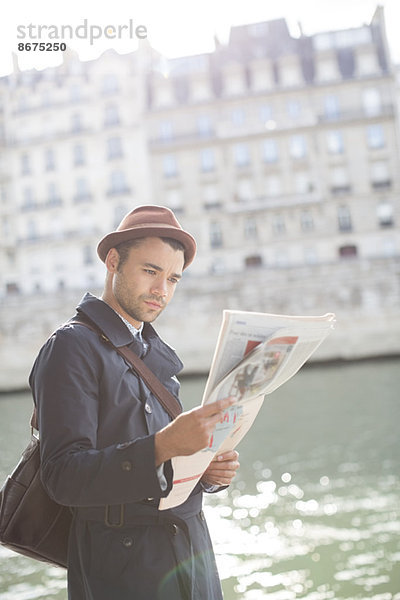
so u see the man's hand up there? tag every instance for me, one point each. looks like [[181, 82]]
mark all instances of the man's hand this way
[[222, 469], [190, 431]]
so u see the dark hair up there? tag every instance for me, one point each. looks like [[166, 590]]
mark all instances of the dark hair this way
[[125, 248]]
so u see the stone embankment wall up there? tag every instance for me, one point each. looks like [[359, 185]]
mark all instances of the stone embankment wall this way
[[364, 294]]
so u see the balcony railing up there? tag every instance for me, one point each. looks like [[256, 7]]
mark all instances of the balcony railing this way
[[354, 114]]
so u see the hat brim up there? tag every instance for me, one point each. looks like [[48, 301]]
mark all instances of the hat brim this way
[[112, 240]]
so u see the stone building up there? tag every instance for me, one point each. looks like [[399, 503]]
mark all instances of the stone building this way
[[280, 154], [281, 151]]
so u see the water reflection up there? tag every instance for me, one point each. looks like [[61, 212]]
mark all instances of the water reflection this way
[[314, 512], [319, 516]]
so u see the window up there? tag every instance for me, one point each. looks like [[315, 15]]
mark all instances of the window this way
[[49, 159], [216, 239], [170, 166], [270, 151], [78, 155], [75, 93], [273, 185], [200, 90], [331, 107], [310, 256], [278, 225], [173, 199], [250, 229], [211, 197], [302, 182], [372, 102], [204, 126], [56, 226], [118, 183], [306, 221], [218, 267], [348, 251], [31, 230], [334, 142], [327, 69], [25, 165], [114, 148], [253, 261], [166, 131], [238, 117], [340, 183], [12, 288], [389, 247], [111, 115], [245, 190], [28, 198], [82, 190], [241, 155], [23, 104], [281, 258], [380, 176], [384, 213], [207, 160], [76, 123], [87, 255], [344, 218], [294, 109], [266, 114], [110, 84], [234, 84], [119, 213], [297, 147], [52, 194], [375, 137]]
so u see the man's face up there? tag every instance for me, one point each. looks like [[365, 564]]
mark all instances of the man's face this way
[[145, 283]]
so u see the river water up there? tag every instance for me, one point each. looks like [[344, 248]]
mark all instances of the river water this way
[[314, 512]]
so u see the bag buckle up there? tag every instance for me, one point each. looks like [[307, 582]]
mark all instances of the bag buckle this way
[[108, 519]]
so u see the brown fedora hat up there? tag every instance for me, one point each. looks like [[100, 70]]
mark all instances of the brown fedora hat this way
[[148, 221]]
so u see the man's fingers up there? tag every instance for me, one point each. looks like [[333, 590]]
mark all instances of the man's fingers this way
[[229, 455], [217, 407]]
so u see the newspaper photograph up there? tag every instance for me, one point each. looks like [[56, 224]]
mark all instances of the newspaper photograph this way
[[255, 354]]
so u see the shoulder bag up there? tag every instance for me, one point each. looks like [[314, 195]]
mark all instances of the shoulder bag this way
[[31, 523]]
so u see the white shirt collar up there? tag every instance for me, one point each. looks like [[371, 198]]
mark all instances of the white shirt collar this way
[[135, 331]]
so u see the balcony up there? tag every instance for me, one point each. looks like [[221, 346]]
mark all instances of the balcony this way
[[384, 184], [278, 201], [82, 198], [180, 140], [355, 114], [340, 190], [119, 191]]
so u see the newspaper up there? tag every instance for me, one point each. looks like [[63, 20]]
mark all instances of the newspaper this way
[[255, 354]]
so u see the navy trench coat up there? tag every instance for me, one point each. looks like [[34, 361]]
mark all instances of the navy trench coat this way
[[97, 423]]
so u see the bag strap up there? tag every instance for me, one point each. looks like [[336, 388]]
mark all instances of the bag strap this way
[[165, 398]]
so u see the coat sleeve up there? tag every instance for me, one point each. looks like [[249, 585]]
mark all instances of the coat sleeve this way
[[75, 472]]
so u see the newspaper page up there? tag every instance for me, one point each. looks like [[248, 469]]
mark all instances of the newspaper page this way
[[255, 354]]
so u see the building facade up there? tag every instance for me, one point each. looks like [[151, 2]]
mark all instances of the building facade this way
[[280, 153]]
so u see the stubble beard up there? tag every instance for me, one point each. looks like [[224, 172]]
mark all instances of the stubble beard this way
[[140, 313]]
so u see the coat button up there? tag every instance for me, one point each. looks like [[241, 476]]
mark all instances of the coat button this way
[[127, 542], [126, 465], [174, 529], [148, 408]]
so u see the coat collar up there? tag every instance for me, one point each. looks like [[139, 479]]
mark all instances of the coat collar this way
[[161, 357], [106, 318]]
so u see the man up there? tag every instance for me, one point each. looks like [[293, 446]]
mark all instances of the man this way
[[107, 442]]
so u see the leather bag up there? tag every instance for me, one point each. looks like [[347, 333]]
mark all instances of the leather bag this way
[[31, 523]]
